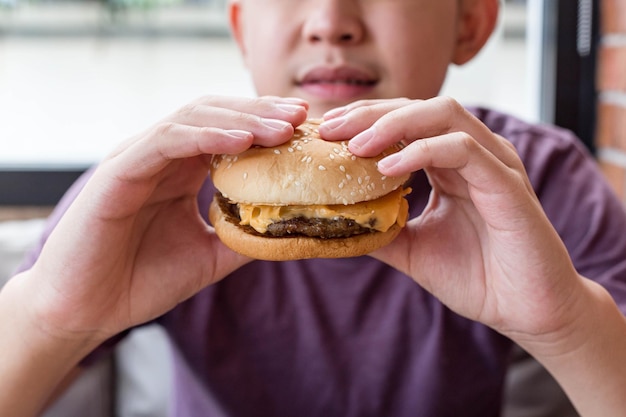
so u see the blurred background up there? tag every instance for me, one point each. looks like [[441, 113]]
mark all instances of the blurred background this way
[[78, 76]]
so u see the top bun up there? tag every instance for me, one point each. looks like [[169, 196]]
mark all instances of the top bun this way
[[306, 170]]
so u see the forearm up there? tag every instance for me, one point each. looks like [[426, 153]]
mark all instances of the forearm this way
[[34, 363], [590, 359]]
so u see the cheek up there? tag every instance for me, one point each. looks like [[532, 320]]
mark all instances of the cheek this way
[[264, 76], [417, 60], [417, 75], [260, 58], [267, 53]]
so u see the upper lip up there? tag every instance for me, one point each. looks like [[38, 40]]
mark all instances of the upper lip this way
[[340, 74]]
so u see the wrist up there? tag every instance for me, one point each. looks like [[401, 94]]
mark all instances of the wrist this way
[[35, 358], [35, 319], [587, 354], [565, 327]]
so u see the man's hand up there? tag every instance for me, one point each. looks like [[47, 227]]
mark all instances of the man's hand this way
[[486, 249], [131, 246]]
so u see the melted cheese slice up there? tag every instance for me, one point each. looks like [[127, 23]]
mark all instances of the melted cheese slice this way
[[379, 214]]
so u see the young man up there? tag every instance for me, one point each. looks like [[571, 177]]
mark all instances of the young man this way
[[513, 230]]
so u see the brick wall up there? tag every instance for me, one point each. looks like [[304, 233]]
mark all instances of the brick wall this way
[[611, 83]]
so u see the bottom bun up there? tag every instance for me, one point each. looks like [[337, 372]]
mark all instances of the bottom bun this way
[[297, 247]]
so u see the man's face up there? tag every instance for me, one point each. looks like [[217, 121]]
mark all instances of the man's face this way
[[332, 52]]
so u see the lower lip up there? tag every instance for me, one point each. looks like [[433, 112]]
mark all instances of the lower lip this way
[[337, 91]]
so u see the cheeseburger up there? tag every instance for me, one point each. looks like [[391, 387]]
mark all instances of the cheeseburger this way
[[307, 198]]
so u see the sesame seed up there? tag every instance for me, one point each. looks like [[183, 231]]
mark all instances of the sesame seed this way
[[342, 168], [349, 177], [290, 150], [277, 151], [341, 185], [383, 178], [321, 168], [299, 147], [336, 150], [331, 156], [245, 175]]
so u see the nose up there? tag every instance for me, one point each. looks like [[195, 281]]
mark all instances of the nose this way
[[335, 22]]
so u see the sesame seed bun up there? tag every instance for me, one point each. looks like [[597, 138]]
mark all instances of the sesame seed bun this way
[[305, 171]]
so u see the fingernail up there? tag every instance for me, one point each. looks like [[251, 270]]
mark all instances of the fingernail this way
[[294, 100], [238, 134], [333, 123], [390, 161], [289, 108], [362, 138], [339, 111], [276, 124]]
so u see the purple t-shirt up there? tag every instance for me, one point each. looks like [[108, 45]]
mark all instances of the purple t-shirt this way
[[354, 337]]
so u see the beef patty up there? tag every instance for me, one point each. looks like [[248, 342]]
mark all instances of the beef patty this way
[[337, 227]]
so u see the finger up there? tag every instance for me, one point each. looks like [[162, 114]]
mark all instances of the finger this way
[[397, 254], [172, 141], [344, 110], [269, 119], [284, 108], [424, 119], [461, 153], [346, 122]]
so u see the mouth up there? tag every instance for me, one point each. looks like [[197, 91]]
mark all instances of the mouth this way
[[337, 83], [346, 81]]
